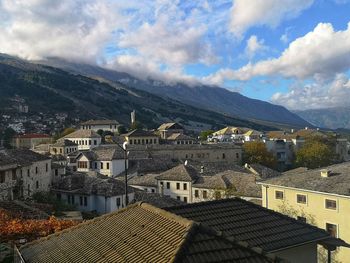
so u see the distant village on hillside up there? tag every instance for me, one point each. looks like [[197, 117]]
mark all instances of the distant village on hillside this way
[[267, 195]]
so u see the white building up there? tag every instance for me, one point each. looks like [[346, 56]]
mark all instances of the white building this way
[[85, 139], [105, 125], [107, 160], [30, 171], [89, 193]]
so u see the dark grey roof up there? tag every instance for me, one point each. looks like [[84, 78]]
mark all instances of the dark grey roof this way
[[83, 134], [179, 136], [212, 168], [338, 181], [140, 233], [63, 143], [155, 199], [100, 122], [81, 183], [144, 180], [211, 182], [140, 133], [58, 158], [20, 157], [245, 221], [103, 153], [180, 173], [262, 171], [151, 165], [169, 126]]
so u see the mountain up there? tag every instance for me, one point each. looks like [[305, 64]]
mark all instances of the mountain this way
[[50, 90], [332, 118], [203, 96]]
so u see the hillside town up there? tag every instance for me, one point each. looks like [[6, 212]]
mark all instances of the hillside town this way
[[102, 168]]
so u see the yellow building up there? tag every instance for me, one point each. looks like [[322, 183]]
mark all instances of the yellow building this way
[[320, 197]]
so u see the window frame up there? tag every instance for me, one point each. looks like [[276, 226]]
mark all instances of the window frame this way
[[303, 195], [330, 207], [278, 198]]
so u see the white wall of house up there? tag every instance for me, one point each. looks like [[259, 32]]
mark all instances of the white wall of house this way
[[86, 143], [176, 189], [111, 127], [109, 168]]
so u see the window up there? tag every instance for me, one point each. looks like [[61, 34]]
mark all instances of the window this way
[[237, 155], [89, 142], [37, 184], [185, 199], [153, 191], [185, 186], [56, 172], [28, 173], [36, 170], [205, 194], [81, 200], [14, 175], [301, 199], [196, 193], [60, 150], [58, 196], [178, 197], [85, 201], [279, 195], [332, 229], [301, 219], [95, 165], [177, 186], [2, 177], [95, 142], [331, 204], [47, 167], [223, 156], [118, 201], [101, 165], [107, 165], [168, 185], [82, 165]]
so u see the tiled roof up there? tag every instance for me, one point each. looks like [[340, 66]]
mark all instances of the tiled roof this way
[[179, 136], [103, 153], [155, 199], [212, 168], [212, 182], [228, 131], [83, 134], [151, 165], [63, 143], [81, 183], [144, 180], [169, 125], [21, 157], [32, 136], [262, 171], [140, 133], [139, 233], [180, 173], [100, 122], [245, 221], [338, 182]]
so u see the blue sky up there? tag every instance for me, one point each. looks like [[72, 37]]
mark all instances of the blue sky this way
[[290, 52]]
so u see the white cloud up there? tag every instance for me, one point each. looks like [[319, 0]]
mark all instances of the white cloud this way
[[246, 14], [317, 95], [254, 45], [320, 54]]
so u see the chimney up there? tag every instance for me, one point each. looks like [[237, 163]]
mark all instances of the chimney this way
[[325, 173]]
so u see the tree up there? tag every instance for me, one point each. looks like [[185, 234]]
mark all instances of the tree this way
[[314, 154], [256, 152], [204, 134], [121, 129], [7, 136]]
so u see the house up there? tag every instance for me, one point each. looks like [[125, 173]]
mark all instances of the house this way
[[105, 125], [107, 160], [179, 138], [57, 171], [282, 150], [238, 219], [92, 193], [28, 141], [85, 139], [140, 233], [318, 196], [261, 172], [137, 137], [30, 171], [63, 147], [252, 135], [227, 134], [167, 129]]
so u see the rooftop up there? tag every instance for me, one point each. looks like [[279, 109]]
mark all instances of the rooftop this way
[[179, 173], [144, 180], [169, 125], [100, 122], [338, 181], [83, 134], [179, 136], [20, 157], [63, 143], [155, 199], [153, 236], [32, 136], [262, 171], [245, 221], [140, 133]]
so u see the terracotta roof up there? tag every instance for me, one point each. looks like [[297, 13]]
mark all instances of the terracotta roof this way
[[180, 173], [245, 221], [139, 233], [100, 122], [83, 134], [140, 133], [32, 136], [338, 182]]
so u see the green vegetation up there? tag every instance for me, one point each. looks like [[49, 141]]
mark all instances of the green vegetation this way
[[256, 152], [49, 198], [204, 134], [7, 136]]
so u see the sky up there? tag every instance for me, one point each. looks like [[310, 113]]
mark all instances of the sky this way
[[295, 53]]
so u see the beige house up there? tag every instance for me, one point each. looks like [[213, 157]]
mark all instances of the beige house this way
[[29, 141], [85, 139], [105, 125], [167, 129], [63, 147], [141, 137], [179, 138], [319, 196]]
